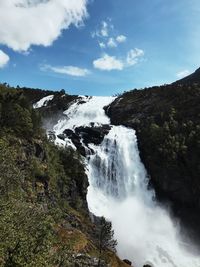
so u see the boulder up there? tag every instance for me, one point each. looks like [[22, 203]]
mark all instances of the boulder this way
[[93, 134], [61, 136], [127, 262], [86, 135], [51, 136], [75, 138]]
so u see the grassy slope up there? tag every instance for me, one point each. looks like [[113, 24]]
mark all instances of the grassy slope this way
[[43, 216]]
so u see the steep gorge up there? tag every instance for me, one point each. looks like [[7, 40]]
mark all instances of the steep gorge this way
[[118, 187], [167, 123]]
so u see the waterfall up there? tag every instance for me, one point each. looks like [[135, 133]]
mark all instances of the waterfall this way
[[145, 232], [115, 168]]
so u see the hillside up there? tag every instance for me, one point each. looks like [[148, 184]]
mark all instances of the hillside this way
[[167, 121], [44, 217]]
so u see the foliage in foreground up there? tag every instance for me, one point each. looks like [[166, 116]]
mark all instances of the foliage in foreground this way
[[43, 213]]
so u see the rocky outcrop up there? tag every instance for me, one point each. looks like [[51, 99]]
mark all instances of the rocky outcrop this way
[[76, 140], [93, 134], [127, 262], [82, 136], [87, 261]]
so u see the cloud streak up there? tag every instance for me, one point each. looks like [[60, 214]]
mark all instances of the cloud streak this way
[[183, 73], [66, 70], [37, 22]]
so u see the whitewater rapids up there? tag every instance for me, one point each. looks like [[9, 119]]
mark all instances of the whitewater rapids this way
[[145, 232]]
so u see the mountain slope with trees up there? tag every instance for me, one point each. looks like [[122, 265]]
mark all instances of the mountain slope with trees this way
[[167, 121], [44, 220], [44, 217]]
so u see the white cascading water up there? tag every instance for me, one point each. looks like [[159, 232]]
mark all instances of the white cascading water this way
[[145, 232]]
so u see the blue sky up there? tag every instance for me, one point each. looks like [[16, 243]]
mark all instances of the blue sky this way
[[98, 47]]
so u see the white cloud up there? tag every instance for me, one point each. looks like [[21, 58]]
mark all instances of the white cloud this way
[[111, 43], [4, 59], [108, 63], [183, 73], [106, 36], [37, 22], [133, 56], [104, 29], [67, 70], [102, 45], [121, 38]]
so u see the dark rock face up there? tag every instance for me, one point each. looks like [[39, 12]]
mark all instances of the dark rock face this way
[[127, 262], [39, 152], [88, 135], [94, 135], [167, 122], [76, 140]]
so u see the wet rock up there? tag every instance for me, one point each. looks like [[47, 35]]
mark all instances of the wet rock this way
[[51, 136], [69, 133], [61, 136], [76, 140], [127, 262], [93, 134], [82, 102], [86, 135]]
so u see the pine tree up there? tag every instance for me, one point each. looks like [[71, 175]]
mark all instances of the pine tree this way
[[106, 238]]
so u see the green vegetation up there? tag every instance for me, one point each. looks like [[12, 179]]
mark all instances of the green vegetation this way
[[44, 219], [167, 121], [106, 238], [35, 185], [16, 116]]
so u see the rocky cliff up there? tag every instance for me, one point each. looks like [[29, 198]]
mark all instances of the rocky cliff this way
[[167, 121]]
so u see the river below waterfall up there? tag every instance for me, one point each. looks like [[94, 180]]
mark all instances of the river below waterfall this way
[[145, 232]]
